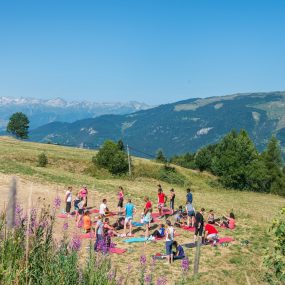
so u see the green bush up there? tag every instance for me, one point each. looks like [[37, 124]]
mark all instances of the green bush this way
[[42, 160], [275, 256], [111, 157]]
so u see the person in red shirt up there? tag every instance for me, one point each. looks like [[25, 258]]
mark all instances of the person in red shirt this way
[[211, 233], [162, 198], [147, 206]]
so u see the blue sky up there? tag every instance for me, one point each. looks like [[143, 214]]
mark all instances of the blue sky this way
[[155, 51]]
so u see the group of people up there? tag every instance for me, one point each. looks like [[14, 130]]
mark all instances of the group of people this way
[[187, 216]]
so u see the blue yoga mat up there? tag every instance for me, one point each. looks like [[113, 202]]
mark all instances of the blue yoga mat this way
[[137, 224], [136, 239]]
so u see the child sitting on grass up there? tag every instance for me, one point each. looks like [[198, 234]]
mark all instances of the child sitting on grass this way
[[179, 251], [158, 233], [229, 222]]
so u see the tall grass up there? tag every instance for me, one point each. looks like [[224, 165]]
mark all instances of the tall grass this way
[[43, 260]]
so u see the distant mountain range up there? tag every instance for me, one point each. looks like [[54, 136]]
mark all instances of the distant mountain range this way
[[178, 127], [41, 112]]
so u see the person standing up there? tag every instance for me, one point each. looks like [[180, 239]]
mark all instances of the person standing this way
[[162, 198], [190, 214], [189, 196], [171, 199], [199, 224], [83, 194], [103, 210], [68, 200], [130, 211], [121, 200], [99, 231], [169, 237]]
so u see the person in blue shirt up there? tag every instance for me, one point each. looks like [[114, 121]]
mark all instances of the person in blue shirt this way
[[189, 196], [179, 251], [130, 211]]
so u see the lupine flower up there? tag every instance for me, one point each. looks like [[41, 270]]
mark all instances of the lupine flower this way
[[161, 281], [111, 275], [65, 226], [120, 281], [147, 279], [75, 243], [57, 202], [143, 259], [185, 264]]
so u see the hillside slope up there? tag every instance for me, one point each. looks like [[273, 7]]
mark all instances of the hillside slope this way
[[178, 127], [221, 265]]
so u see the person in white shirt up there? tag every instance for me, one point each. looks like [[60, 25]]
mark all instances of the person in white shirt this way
[[68, 200], [169, 237], [103, 210]]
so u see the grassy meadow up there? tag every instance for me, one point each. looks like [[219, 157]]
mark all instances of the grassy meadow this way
[[234, 264]]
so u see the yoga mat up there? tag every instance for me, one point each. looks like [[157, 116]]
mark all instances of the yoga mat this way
[[163, 238], [220, 241], [86, 236], [94, 211], [137, 224], [189, 229], [117, 250], [135, 239], [159, 257], [63, 216]]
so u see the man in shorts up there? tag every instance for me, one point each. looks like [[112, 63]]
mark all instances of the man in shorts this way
[[130, 211], [199, 224], [162, 198]]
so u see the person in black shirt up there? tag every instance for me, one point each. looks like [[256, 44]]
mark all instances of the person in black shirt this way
[[172, 198], [199, 223]]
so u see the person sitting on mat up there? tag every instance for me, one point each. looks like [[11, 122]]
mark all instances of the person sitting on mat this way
[[160, 232], [103, 210], [87, 224], [229, 222], [199, 224], [179, 251], [179, 217], [119, 224], [211, 233], [190, 214], [211, 217]]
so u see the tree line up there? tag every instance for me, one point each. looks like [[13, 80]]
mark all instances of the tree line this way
[[238, 164]]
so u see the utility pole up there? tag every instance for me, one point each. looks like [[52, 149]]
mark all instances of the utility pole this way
[[129, 160], [197, 256]]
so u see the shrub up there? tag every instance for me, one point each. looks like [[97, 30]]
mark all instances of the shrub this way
[[42, 160], [275, 258], [111, 157]]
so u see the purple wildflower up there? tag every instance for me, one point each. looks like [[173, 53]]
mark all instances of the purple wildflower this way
[[147, 279], [161, 281], [143, 260], [111, 275], [185, 264], [57, 202], [75, 243], [120, 281], [65, 226]]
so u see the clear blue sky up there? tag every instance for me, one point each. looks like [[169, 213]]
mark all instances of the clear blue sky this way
[[155, 51]]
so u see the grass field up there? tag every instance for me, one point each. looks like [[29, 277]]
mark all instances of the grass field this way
[[235, 264]]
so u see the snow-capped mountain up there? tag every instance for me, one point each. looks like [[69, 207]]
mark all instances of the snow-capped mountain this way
[[41, 111]]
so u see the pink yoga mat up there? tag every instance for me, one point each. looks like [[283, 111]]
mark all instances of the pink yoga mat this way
[[162, 238], [189, 229], [117, 250], [86, 236], [225, 239]]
